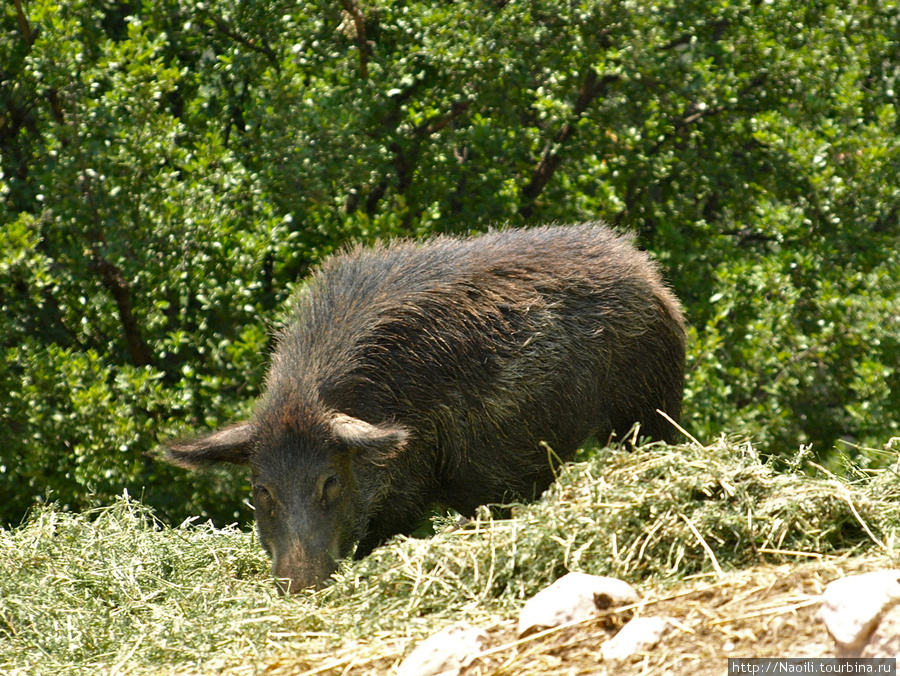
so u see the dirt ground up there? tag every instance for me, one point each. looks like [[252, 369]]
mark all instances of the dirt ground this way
[[768, 611]]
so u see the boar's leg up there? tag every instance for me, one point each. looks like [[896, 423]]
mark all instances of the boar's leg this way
[[401, 517], [366, 546]]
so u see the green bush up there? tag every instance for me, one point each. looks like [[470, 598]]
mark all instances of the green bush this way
[[171, 170]]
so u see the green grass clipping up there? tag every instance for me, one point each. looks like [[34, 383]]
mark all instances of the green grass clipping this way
[[114, 591]]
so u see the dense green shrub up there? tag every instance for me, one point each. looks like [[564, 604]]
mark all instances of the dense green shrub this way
[[170, 170]]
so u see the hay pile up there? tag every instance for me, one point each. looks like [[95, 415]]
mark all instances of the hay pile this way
[[115, 592]]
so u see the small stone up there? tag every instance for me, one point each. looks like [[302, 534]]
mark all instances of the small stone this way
[[885, 640], [445, 653], [852, 607], [573, 597], [639, 635]]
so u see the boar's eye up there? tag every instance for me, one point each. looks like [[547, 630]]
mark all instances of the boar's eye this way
[[262, 498], [331, 490]]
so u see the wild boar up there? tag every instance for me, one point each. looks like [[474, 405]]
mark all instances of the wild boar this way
[[415, 374]]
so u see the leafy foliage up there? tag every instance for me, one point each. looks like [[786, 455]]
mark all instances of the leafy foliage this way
[[170, 170]]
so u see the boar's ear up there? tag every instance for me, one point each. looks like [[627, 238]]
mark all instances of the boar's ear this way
[[230, 444], [360, 435]]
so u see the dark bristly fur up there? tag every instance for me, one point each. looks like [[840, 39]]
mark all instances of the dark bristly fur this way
[[415, 374]]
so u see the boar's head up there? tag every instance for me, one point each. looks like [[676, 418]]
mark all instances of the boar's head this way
[[314, 482]]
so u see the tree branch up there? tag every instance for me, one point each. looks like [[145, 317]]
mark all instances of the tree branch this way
[[359, 32], [718, 28], [405, 158], [435, 124], [120, 290], [111, 275], [696, 114], [23, 23], [29, 36], [225, 29], [591, 88], [691, 116], [745, 235]]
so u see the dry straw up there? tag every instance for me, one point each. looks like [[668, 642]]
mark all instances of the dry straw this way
[[115, 592]]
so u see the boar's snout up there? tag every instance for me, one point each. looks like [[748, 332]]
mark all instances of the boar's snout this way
[[301, 567]]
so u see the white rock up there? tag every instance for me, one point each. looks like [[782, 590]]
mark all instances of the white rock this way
[[852, 606], [639, 635], [575, 596], [885, 640], [445, 653]]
